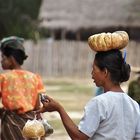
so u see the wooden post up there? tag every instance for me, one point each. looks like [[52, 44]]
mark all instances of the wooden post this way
[[78, 36], [63, 34]]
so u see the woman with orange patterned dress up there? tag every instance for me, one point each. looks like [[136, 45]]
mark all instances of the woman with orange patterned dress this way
[[19, 89]]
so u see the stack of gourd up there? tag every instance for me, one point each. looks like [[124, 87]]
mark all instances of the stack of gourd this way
[[108, 41]]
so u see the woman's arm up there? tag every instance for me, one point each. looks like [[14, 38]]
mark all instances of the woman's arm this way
[[37, 106], [70, 126], [50, 105]]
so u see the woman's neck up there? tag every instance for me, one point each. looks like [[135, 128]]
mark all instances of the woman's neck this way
[[16, 67], [113, 87]]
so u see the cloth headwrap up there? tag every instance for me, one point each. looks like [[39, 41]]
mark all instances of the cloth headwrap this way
[[12, 42]]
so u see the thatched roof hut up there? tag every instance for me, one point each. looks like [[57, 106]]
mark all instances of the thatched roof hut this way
[[84, 17]]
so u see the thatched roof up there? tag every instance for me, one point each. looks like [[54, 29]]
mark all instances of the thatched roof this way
[[86, 17], [73, 14]]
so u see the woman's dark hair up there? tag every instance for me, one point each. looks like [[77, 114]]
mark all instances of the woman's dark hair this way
[[114, 62], [19, 55]]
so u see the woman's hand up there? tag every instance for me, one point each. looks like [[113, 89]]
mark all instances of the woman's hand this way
[[49, 105]]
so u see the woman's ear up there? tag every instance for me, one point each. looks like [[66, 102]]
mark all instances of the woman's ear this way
[[106, 72], [13, 61]]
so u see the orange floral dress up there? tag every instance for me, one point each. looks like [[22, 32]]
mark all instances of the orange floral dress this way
[[19, 90]]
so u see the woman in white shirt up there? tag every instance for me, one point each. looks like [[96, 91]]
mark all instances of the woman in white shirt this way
[[109, 116]]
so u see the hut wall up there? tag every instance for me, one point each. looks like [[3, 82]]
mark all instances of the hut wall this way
[[64, 58], [59, 58]]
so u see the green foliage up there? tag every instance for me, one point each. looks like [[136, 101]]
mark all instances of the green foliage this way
[[19, 17]]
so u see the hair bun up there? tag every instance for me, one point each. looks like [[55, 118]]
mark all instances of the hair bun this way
[[108, 41]]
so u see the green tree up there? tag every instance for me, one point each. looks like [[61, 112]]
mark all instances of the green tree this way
[[19, 17]]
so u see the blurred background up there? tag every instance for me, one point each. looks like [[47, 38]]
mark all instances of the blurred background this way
[[56, 33]]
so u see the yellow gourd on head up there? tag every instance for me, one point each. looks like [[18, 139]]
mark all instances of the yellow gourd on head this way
[[108, 41]]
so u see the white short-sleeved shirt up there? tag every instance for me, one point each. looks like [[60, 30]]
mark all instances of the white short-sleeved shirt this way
[[111, 116]]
